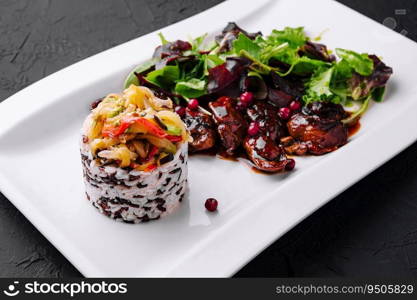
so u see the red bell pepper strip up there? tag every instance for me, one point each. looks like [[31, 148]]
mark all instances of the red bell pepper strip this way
[[150, 168], [174, 138], [112, 131], [134, 165], [115, 131], [147, 169], [152, 128]]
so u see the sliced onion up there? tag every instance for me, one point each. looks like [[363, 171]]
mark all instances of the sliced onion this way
[[161, 143]]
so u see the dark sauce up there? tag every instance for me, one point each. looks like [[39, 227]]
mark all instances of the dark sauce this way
[[353, 129], [243, 158], [239, 156], [209, 152], [257, 171], [220, 152]]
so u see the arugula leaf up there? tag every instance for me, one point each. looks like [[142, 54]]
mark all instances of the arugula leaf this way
[[305, 65], [320, 83], [197, 42], [165, 77], [251, 49], [361, 63], [192, 88], [201, 44], [261, 51], [280, 52], [214, 60], [319, 87], [342, 70], [339, 84], [244, 43], [281, 45], [331, 84], [295, 37], [256, 65], [132, 79], [211, 61], [245, 47], [196, 70]]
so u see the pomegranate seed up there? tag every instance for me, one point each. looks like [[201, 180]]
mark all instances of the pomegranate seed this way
[[253, 128], [295, 105], [211, 204], [193, 104], [246, 97], [284, 113], [180, 110], [290, 165]]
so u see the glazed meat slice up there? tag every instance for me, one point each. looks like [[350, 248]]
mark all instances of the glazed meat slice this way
[[202, 129], [294, 147], [266, 154], [231, 125], [317, 129], [266, 115], [320, 135], [263, 149]]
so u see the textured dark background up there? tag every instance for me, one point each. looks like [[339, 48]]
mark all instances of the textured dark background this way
[[369, 230]]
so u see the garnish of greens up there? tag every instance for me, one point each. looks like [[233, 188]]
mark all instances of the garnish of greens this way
[[200, 68]]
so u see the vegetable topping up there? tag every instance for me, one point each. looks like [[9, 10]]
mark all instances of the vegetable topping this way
[[135, 129]]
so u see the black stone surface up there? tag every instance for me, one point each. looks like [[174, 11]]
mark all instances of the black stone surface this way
[[369, 230]]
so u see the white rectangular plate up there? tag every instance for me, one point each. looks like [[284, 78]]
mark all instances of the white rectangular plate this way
[[41, 170]]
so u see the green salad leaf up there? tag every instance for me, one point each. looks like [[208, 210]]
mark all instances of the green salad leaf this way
[[378, 94], [318, 88], [192, 88], [281, 45], [198, 42], [132, 79], [211, 61], [351, 79], [361, 63], [165, 77], [248, 45], [305, 65], [295, 37]]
